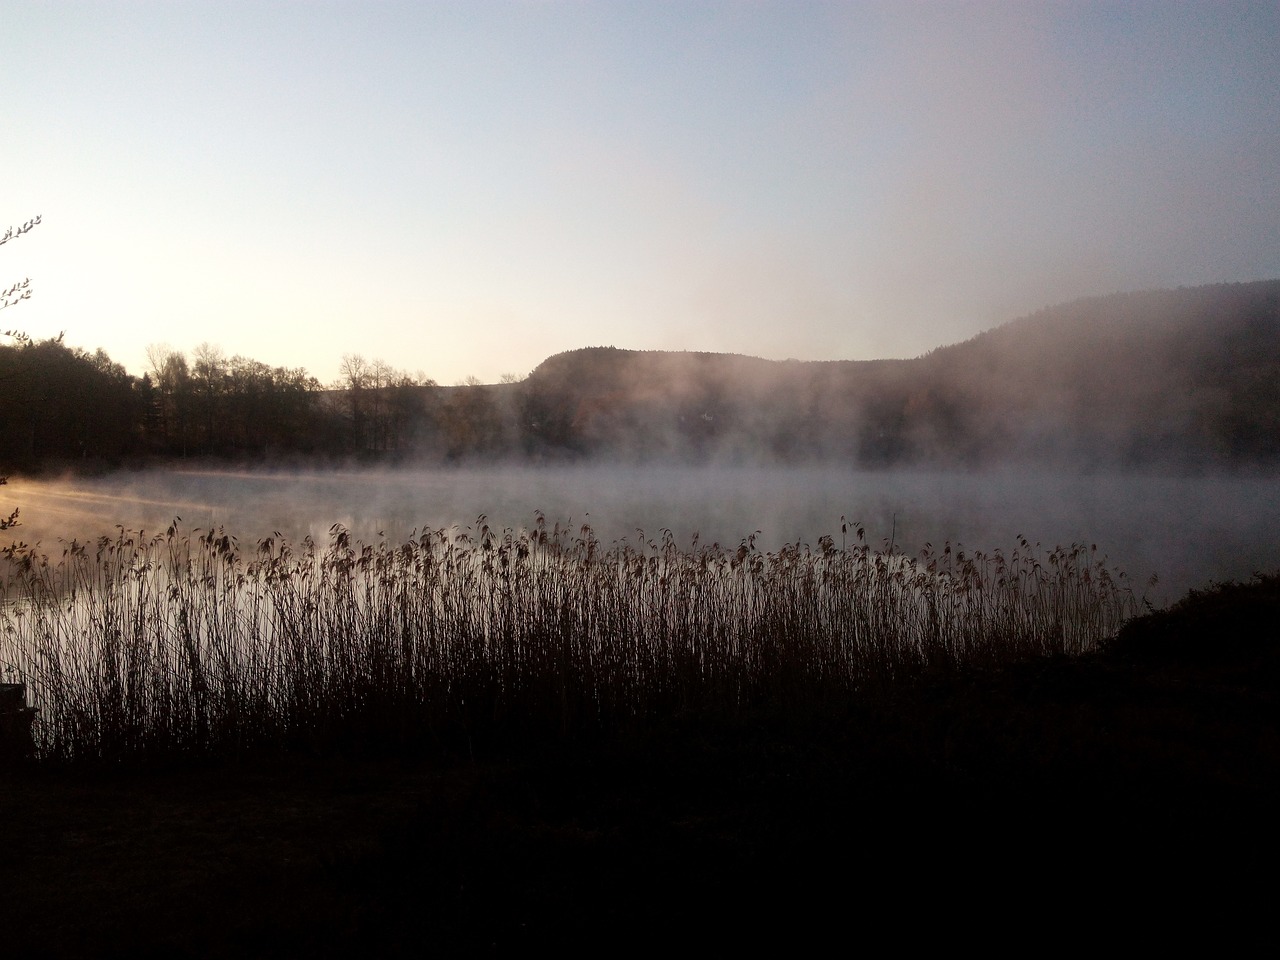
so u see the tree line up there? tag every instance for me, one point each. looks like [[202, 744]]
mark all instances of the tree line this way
[[1186, 378], [61, 406]]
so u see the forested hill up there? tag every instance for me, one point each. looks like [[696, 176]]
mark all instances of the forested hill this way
[[642, 404], [1187, 375], [1185, 378]]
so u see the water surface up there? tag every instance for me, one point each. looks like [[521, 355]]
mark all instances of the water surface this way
[[1186, 530]]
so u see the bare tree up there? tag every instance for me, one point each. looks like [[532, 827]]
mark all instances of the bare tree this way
[[12, 519], [21, 290], [381, 377], [172, 378], [209, 372], [14, 295], [354, 381]]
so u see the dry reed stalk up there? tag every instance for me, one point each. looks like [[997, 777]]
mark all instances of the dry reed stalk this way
[[187, 645]]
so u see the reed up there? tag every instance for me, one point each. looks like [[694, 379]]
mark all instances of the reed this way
[[173, 645]]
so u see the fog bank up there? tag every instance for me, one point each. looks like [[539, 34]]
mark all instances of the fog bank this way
[[1185, 530]]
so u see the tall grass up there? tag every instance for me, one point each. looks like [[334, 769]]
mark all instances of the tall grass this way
[[189, 644]]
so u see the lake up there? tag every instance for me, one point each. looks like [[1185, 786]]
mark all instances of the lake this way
[[1186, 530]]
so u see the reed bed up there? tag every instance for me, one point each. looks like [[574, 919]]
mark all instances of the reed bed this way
[[137, 647]]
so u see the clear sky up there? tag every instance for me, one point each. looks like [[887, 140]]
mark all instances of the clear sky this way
[[466, 188]]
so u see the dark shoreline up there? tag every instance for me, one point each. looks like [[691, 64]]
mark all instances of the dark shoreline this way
[[1128, 791]]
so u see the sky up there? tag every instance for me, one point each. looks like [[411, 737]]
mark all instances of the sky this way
[[463, 189]]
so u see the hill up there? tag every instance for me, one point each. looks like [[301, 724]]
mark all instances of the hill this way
[[1187, 377]]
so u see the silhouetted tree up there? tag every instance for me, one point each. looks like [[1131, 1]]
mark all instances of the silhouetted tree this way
[[172, 381], [384, 409], [269, 408], [472, 420], [61, 403], [11, 297], [355, 383], [410, 398], [209, 373], [12, 519]]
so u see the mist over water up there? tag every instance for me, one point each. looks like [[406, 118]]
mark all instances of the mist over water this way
[[1186, 530]]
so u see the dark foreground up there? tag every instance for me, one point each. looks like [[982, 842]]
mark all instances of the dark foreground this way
[[1127, 798]]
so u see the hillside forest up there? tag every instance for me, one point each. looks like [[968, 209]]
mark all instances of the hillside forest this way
[[1181, 379]]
